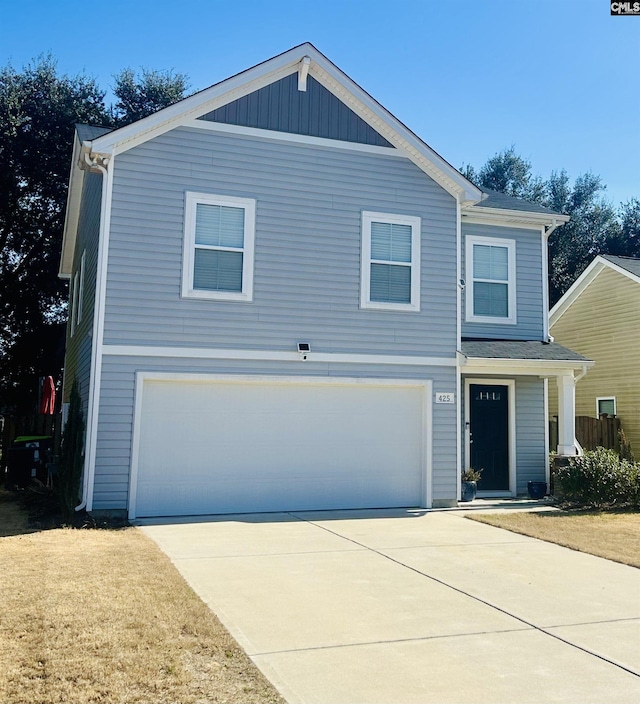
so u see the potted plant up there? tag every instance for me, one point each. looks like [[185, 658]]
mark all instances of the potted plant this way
[[470, 478]]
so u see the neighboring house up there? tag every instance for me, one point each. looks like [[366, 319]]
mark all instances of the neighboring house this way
[[282, 299], [599, 316]]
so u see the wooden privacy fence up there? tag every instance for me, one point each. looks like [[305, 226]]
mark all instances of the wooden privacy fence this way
[[591, 432]]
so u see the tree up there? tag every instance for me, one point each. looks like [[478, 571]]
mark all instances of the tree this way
[[139, 96], [628, 242], [38, 110], [509, 173], [595, 227], [591, 230]]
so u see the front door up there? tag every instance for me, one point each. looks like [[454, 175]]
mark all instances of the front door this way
[[489, 435]]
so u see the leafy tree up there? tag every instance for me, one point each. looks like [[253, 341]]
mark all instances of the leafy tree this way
[[595, 227], [628, 242], [38, 109], [591, 230], [139, 96]]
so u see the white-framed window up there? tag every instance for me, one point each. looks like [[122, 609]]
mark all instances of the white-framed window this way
[[491, 280], [390, 268], [605, 404], [81, 290], [219, 235]]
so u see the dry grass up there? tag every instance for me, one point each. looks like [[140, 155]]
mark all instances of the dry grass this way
[[102, 616], [614, 535]]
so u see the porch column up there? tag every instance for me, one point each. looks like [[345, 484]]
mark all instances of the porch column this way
[[566, 414]]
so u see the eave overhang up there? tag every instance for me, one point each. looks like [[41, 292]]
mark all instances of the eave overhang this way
[[521, 218], [326, 73]]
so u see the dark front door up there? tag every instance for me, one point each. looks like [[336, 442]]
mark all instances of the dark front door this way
[[489, 426]]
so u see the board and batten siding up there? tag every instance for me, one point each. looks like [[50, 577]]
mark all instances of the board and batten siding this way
[[602, 324], [78, 345], [531, 450], [529, 285], [315, 112], [115, 427], [309, 201]]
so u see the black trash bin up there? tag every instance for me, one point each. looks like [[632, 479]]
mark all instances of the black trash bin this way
[[21, 466], [27, 459]]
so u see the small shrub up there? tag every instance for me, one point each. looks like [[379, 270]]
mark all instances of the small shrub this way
[[599, 478], [471, 475], [626, 453], [71, 457]]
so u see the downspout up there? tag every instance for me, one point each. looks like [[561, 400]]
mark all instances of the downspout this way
[[545, 276], [459, 290], [101, 164]]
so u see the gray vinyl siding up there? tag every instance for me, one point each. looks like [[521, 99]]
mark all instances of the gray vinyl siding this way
[[316, 112], [531, 450], [78, 346], [309, 201], [114, 441], [529, 285]]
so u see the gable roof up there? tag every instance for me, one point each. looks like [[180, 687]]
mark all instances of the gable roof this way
[[328, 75], [629, 264], [626, 266]]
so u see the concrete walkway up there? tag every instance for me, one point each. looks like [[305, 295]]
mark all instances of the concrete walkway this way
[[410, 606]]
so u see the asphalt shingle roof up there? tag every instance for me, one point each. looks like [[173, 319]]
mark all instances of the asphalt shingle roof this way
[[88, 132], [631, 264], [495, 199], [519, 349]]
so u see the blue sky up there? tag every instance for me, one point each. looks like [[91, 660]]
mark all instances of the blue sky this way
[[558, 79]]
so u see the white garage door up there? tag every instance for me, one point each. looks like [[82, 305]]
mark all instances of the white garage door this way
[[219, 446]]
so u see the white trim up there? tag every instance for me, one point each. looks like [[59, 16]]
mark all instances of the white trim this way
[[192, 200], [511, 408], [545, 396], [303, 72], [510, 246], [274, 356], [72, 213], [544, 238], [81, 290], [524, 367], [369, 217], [581, 283], [324, 142], [425, 384], [513, 218], [97, 337], [606, 398], [74, 304], [458, 348], [326, 73]]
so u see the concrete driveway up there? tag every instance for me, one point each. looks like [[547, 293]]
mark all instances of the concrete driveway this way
[[406, 606]]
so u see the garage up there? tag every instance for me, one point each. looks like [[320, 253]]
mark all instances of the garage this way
[[210, 445]]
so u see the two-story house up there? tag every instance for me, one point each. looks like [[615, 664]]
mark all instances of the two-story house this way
[[282, 299]]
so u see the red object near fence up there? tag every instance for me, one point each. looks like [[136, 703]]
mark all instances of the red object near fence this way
[[48, 401]]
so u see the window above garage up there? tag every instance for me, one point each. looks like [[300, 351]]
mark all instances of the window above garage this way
[[390, 262], [218, 247]]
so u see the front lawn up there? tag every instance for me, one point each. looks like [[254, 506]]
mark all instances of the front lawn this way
[[614, 535], [103, 616]]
